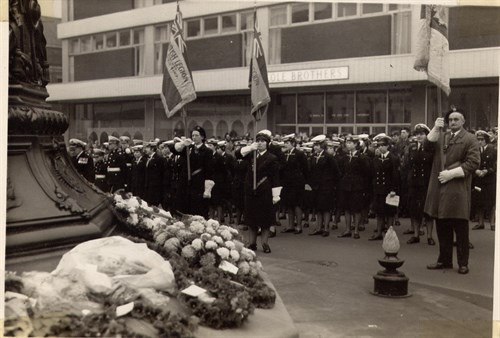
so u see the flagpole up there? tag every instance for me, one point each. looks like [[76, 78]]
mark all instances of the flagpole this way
[[441, 132], [184, 118], [255, 159]]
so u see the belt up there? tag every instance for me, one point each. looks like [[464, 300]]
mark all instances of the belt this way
[[114, 170], [196, 172], [100, 177], [262, 180]]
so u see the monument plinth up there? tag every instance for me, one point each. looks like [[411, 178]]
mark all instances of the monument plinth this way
[[50, 207]]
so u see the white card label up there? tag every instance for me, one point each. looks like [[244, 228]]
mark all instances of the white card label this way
[[226, 266], [124, 309], [193, 290]]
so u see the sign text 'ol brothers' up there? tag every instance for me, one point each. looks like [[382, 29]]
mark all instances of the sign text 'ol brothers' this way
[[320, 74]]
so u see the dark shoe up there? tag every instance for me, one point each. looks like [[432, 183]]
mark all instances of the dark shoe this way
[[471, 246], [376, 238], [439, 266], [345, 235], [297, 231], [272, 234], [316, 232], [284, 231], [266, 248], [305, 225], [408, 232], [355, 236], [478, 227], [325, 233], [463, 270], [413, 240], [430, 241], [253, 247]]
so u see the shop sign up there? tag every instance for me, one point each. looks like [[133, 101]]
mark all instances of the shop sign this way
[[319, 74]]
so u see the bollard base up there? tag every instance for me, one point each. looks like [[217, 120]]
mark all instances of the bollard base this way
[[392, 285]]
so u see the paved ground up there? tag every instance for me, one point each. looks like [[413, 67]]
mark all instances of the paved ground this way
[[326, 285]]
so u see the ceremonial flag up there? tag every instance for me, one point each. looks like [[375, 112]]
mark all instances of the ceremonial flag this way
[[258, 82], [432, 46], [178, 87]]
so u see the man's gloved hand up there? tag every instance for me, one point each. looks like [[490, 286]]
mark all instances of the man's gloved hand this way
[[448, 175]]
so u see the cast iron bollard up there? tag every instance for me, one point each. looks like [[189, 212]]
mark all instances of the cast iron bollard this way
[[391, 282]]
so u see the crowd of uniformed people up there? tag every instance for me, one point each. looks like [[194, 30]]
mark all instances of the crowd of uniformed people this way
[[306, 181]]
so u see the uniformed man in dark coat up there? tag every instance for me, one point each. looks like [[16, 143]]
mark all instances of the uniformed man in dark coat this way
[[484, 182], [83, 163], [419, 164], [194, 189], [385, 182], [449, 194], [116, 165], [169, 159], [129, 158], [154, 171], [293, 178], [100, 170], [138, 172], [221, 179]]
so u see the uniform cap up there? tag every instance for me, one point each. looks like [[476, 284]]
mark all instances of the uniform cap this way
[[152, 143], [262, 135], [98, 152], [307, 144], [212, 141], [112, 138], [106, 144], [383, 139], [136, 142], [168, 142], [352, 138], [221, 143], [381, 135], [124, 138], [265, 132], [421, 128], [318, 139], [483, 133], [306, 149], [363, 136], [77, 143], [137, 147], [241, 143], [288, 137]]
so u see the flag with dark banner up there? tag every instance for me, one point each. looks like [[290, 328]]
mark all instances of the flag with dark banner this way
[[432, 46], [258, 82], [178, 87]]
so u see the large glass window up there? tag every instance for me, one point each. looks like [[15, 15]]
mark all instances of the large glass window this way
[[278, 18], [310, 108], [211, 25], [124, 37], [346, 9], [85, 44], [246, 21], [340, 107], [322, 10], [111, 40], [229, 23], [139, 51], [98, 42], [400, 106], [161, 44], [371, 107], [193, 28], [300, 12], [401, 33], [284, 109], [372, 8], [118, 114], [74, 46]]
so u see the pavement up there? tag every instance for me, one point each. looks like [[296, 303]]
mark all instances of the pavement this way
[[326, 285]]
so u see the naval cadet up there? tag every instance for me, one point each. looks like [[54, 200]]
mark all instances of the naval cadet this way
[[83, 163], [116, 165]]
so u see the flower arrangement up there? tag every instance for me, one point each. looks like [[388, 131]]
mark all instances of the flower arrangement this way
[[196, 247]]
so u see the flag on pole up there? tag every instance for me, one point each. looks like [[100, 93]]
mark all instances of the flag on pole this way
[[432, 46], [178, 87], [258, 81]]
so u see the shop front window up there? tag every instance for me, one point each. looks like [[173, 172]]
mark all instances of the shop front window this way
[[310, 108], [400, 106], [340, 107], [283, 108], [371, 107]]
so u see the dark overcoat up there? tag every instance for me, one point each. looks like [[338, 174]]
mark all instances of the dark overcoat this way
[[137, 176], [153, 180], [453, 198], [293, 178]]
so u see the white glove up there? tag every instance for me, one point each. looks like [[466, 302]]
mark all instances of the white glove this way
[[392, 193], [433, 135], [187, 142], [307, 187], [248, 149], [448, 175], [276, 194], [209, 184], [127, 151]]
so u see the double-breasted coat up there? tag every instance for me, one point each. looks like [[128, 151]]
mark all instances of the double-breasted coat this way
[[259, 209], [453, 198], [385, 178], [419, 163], [154, 180], [293, 178], [323, 176], [485, 198], [116, 170], [352, 188], [84, 164]]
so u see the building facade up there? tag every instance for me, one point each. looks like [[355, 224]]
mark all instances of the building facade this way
[[333, 67]]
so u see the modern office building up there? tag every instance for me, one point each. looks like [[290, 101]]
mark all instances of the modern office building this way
[[333, 67]]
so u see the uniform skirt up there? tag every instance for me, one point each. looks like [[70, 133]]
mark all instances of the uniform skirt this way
[[292, 196], [323, 200], [352, 201], [259, 208], [486, 198], [416, 201], [381, 208]]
